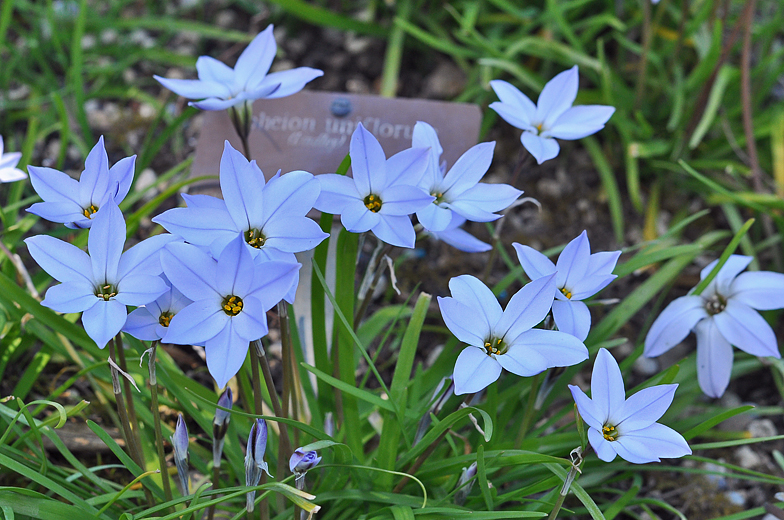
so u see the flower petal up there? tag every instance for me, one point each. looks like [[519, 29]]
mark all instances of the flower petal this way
[[658, 439], [368, 162], [673, 324], [474, 371], [511, 95], [94, 183], [557, 348], [522, 360], [290, 195], [251, 323], [633, 450], [434, 218], [586, 408], [602, 262], [395, 230], [60, 212], [54, 186], [290, 81], [225, 354], [122, 173], [74, 296], [403, 199], [271, 283], [254, 62], [643, 408], [142, 325], [462, 240], [607, 390], [721, 284], [198, 322], [105, 243], [759, 290], [556, 97], [140, 289], [293, 234], [191, 271], [104, 320], [580, 121], [214, 103], [603, 448], [407, 166], [210, 69], [194, 88], [743, 327], [64, 262], [472, 292], [591, 285], [241, 185], [542, 148], [572, 317], [468, 170], [461, 321], [490, 197], [513, 115], [357, 218], [235, 270], [534, 263], [714, 359], [337, 191], [198, 225], [425, 136], [573, 261], [144, 257], [526, 308]]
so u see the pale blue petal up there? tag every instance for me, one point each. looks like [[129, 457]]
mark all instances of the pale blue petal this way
[[241, 189], [759, 290], [144, 257], [205, 201], [573, 262], [534, 263], [64, 262], [434, 218], [105, 243], [235, 270], [273, 281], [140, 289], [291, 81], [461, 321], [603, 448], [586, 408], [192, 271], [225, 354], [673, 324], [198, 225], [425, 136], [471, 211], [395, 230], [402, 199], [75, 296], [104, 320], [462, 240], [590, 285], [290, 195], [543, 149], [357, 218], [580, 121], [743, 327], [526, 308], [195, 88], [557, 348], [556, 97], [714, 359], [214, 104], [251, 323], [54, 186], [407, 166], [142, 325], [572, 317], [511, 95], [263, 91], [474, 371], [490, 197], [513, 115], [721, 284], [122, 173], [293, 234], [336, 192], [643, 408], [254, 62], [11, 174], [210, 69], [602, 262], [522, 361], [197, 323], [468, 170], [368, 162], [607, 390], [94, 183], [634, 450], [662, 441], [60, 212], [472, 292]]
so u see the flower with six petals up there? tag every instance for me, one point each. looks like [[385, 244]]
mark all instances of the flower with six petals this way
[[553, 116], [627, 427], [725, 314]]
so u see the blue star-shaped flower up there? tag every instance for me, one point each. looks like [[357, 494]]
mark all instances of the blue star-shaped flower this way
[[231, 297], [552, 117], [504, 338], [579, 275], [102, 283], [627, 427], [381, 195], [74, 203], [150, 322], [220, 87]]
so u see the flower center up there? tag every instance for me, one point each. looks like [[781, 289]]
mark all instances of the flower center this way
[[610, 432], [90, 211], [495, 346], [107, 292], [165, 318], [373, 203], [566, 292], [439, 197], [255, 238], [715, 304], [232, 305]]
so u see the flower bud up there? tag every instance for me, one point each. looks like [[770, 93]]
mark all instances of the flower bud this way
[[220, 424], [180, 443], [254, 458], [465, 484], [303, 461]]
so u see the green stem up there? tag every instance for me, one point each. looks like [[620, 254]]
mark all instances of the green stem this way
[[530, 409], [255, 346], [156, 415], [573, 471], [134, 422], [215, 477], [288, 380], [394, 53]]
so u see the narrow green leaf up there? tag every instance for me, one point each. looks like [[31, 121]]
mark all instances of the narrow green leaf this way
[[350, 389], [481, 476]]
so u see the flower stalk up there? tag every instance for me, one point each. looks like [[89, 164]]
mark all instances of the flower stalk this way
[[156, 415]]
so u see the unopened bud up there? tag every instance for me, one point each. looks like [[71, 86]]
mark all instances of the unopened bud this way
[[303, 461], [465, 484], [254, 458], [220, 425], [180, 443]]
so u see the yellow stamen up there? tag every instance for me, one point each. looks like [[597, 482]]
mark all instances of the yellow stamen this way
[[165, 318], [373, 203], [566, 292], [232, 305], [610, 433], [90, 211], [255, 238]]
